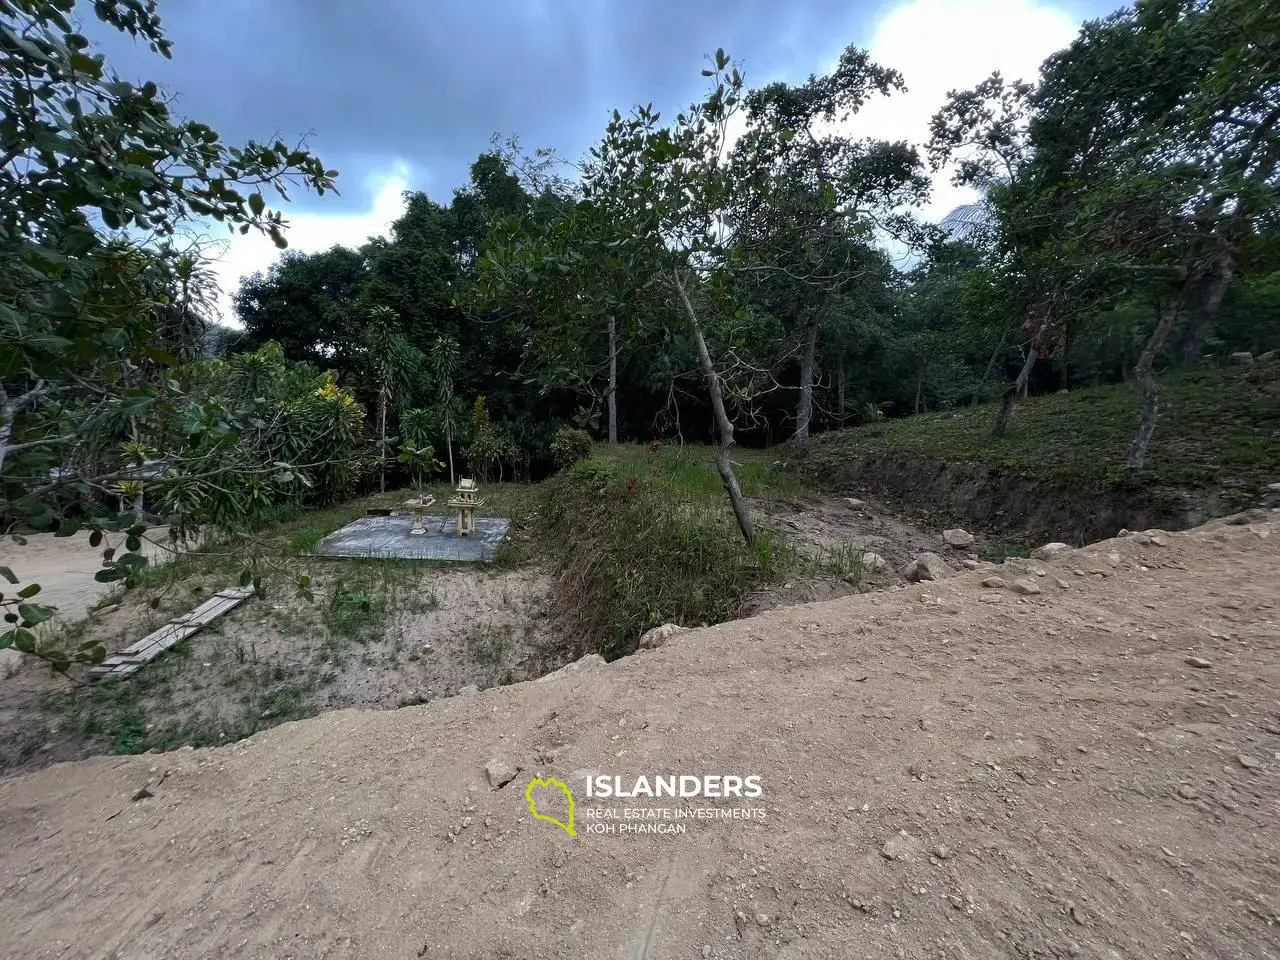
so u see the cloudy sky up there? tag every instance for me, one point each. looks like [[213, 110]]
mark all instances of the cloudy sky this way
[[403, 94]]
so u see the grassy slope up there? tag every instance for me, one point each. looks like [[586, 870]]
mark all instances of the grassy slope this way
[[638, 539], [1218, 426]]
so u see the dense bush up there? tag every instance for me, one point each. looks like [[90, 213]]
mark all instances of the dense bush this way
[[569, 445]]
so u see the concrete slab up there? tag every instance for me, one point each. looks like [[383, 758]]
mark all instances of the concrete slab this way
[[389, 537]]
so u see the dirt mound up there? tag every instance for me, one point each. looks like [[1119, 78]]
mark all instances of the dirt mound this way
[[1082, 763]]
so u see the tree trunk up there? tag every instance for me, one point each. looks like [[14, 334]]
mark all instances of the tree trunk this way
[[613, 380], [919, 390], [840, 388], [808, 356], [1012, 391], [382, 438], [1205, 310], [448, 442], [1149, 405], [991, 365], [723, 426]]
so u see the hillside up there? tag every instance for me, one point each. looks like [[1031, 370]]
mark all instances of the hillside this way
[[1083, 768], [1059, 472]]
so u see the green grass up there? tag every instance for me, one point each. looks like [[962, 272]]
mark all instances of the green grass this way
[[639, 539], [1217, 425]]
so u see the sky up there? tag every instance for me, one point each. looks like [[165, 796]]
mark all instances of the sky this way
[[404, 94]]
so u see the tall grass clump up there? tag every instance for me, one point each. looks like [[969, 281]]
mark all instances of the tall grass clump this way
[[637, 544]]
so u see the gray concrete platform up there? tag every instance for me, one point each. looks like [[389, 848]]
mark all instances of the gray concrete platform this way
[[389, 538]]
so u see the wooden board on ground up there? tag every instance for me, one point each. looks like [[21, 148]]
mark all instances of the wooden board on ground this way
[[126, 662]]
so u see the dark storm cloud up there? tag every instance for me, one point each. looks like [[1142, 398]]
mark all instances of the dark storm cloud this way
[[428, 83]]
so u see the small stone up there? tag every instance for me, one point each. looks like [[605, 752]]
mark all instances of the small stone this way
[[853, 503], [927, 566], [500, 773], [1199, 663], [1243, 358], [991, 598], [970, 564], [1025, 587], [873, 562], [468, 690], [1248, 762], [652, 639], [762, 919], [1050, 550], [902, 847], [994, 583], [957, 539], [1188, 792], [706, 951], [941, 851]]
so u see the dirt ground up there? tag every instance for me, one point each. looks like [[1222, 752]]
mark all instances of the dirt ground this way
[[839, 531], [442, 629], [1088, 769]]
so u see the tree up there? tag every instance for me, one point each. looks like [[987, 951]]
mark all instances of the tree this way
[[303, 303], [390, 362], [808, 199], [1159, 127], [98, 182], [443, 361]]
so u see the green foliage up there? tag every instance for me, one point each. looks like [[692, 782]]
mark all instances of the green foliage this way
[[1221, 425], [638, 542], [102, 296], [569, 445]]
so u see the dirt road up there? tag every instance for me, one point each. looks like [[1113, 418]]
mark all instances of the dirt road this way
[[1087, 768]]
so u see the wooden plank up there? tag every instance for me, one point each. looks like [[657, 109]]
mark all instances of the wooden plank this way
[[128, 661]]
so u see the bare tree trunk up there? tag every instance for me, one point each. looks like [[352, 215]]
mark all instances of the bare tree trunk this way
[[808, 357], [991, 365], [1012, 391], [1207, 305], [919, 390], [382, 438], [840, 388], [448, 442], [724, 427], [1149, 406], [613, 380]]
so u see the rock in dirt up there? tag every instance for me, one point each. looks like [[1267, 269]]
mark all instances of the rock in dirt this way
[[1248, 762], [994, 583], [927, 566], [1050, 550], [853, 503], [903, 847], [500, 773], [1025, 587], [970, 564], [588, 662], [1243, 358], [873, 562], [468, 690], [656, 637], [957, 539], [1199, 662]]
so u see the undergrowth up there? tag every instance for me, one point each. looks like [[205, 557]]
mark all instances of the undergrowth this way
[[639, 540], [1218, 425]]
